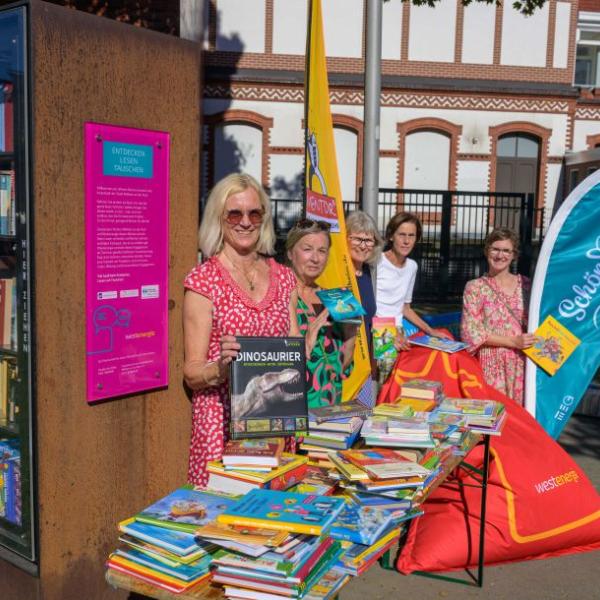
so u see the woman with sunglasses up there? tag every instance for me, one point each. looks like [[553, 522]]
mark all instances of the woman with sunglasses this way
[[238, 290], [329, 347], [494, 316], [364, 244]]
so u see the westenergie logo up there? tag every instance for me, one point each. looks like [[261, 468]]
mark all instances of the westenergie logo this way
[[556, 481]]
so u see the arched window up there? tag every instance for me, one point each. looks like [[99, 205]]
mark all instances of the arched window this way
[[237, 148], [346, 147], [517, 163], [427, 160]]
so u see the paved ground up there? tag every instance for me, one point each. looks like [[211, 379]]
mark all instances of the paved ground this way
[[573, 577]]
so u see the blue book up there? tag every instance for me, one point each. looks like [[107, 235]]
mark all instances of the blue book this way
[[296, 513], [437, 343], [342, 305], [361, 524], [177, 542], [184, 572], [186, 509]]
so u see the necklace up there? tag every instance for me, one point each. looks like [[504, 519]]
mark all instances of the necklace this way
[[250, 277]]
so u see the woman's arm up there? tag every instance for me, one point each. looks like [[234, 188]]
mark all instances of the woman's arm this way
[[294, 329], [518, 342], [197, 325], [415, 319]]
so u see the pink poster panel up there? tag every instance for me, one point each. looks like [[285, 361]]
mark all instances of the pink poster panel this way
[[126, 246]]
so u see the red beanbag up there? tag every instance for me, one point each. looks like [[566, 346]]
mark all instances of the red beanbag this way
[[540, 503]]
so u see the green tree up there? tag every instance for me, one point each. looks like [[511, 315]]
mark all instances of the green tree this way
[[527, 7]]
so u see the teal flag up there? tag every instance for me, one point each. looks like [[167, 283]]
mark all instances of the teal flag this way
[[566, 285]]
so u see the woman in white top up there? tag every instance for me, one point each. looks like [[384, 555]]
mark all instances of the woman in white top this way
[[396, 274]]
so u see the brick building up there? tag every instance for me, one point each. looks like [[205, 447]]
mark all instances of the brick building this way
[[477, 98]]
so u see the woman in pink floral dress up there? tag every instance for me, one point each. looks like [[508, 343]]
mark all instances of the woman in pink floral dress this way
[[239, 290], [494, 317]]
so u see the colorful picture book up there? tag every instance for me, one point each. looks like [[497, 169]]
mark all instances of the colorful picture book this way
[[342, 305], [384, 332], [263, 452], [177, 542], [186, 509], [296, 513], [421, 388], [438, 343], [268, 388], [554, 344], [361, 524], [384, 463], [353, 408]]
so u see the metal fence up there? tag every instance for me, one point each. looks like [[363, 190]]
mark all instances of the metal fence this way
[[455, 225]]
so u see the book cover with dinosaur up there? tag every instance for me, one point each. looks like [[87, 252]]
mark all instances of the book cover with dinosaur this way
[[268, 388]]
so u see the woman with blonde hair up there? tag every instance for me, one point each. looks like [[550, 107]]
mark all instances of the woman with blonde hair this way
[[238, 290]]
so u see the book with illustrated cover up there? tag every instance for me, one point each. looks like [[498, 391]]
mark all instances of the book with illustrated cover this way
[[268, 388], [421, 388], [253, 451], [179, 543], [328, 586], [438, 343], [352, 408], [342, 304], [554, 344], [186, 509], [384, 332], [384, 463], [361, 524], [296, 513], [253, 536]]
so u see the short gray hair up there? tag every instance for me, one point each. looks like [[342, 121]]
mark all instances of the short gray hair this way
[[211, 228], [360, 222]]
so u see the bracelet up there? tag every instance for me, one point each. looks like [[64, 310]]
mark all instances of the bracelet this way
[[209, 380]]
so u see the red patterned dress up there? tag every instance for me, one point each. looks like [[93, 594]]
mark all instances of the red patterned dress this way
[[234, 313]]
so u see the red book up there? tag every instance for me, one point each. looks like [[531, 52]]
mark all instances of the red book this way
[[253, 452]]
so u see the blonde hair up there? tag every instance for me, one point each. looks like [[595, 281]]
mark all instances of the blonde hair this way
[[211, 228], [360, 222]]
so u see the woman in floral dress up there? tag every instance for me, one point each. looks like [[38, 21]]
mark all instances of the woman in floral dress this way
[[237, 291], [494, 317], [329, 346]]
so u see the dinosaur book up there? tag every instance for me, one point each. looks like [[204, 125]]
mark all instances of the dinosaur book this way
[[268, 388]]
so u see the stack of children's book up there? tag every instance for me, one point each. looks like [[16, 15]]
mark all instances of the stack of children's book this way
[[244, 476], [410, 432], [296, 561], [159, 545], [333, 428], [479, 416]]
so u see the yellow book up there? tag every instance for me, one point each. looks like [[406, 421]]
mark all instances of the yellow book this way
[[288, 462], [417, 404], [554, 344]]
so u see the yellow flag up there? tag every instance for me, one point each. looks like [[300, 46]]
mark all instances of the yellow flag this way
[[323, 194]]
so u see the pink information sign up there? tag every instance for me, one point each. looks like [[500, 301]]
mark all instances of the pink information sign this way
[[127, 249]]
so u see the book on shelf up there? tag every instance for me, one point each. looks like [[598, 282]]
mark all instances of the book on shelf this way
[[186, 509], [10, 482], [437, 343], [7, 202], [553, 345], [268, 388], [296, 513], [342, 304], [352, 408], [6, 117], [421, 388], [384, 332], [8, 305], [246, 452]]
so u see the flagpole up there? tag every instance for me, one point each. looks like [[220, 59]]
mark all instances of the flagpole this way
[[371, 111], [306, 97]]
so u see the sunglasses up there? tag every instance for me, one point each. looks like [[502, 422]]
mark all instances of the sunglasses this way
[[235, 216], [308, 223]]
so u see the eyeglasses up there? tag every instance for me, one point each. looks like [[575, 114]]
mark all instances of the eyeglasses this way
[[308, 223], [501, 251], [361, 241], [235, 216]]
